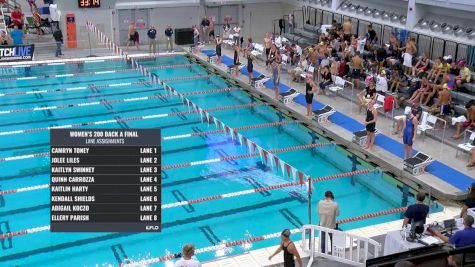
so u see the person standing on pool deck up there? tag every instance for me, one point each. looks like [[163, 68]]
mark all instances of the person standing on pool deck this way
[[409, 133], [250, 66], [196, 38], [327, 210], [188, 258], [58, 37], [310, 88], [219, 42], [168, 34], [289, 249], [152, 34], [268, 45], [276, 73], [132, 34], [236, 61], [370, 121]]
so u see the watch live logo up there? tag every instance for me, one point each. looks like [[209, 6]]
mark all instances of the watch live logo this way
[[16, 52]]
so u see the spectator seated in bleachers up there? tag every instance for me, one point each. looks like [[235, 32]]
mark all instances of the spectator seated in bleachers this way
[[365, 96], [326, 80], [443, 106], [297, 53], [397, 79], [464, 76], [468, 123], [421, 66], [299, 69]]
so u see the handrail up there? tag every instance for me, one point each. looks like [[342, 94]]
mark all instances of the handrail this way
[[340, 242]]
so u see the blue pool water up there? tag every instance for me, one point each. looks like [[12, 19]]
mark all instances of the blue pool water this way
[[204, 224]]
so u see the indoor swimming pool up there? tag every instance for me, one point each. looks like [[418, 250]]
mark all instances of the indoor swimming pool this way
[[110, 94]]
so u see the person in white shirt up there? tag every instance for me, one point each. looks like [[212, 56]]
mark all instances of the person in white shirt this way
[[381, 83], [278, 40], [328, 210], [188, 259], [297, 71], [237, 34], [361, 44]]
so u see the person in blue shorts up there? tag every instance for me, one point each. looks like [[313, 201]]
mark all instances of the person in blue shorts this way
[[409, 133], [276, 73]]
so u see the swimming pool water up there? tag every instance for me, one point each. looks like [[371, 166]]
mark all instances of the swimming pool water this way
[[203, 224]]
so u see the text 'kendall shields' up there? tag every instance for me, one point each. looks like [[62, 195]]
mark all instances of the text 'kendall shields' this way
[[105, 180]]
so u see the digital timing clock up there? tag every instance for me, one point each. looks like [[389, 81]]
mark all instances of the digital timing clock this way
[[89, 3]]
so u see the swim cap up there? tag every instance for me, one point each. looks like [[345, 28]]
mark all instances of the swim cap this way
[[286, 233], [383, 72], [444, 86]]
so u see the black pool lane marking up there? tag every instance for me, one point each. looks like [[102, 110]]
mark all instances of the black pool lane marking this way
[[195, 219], [88, 97], [119, 254], [209, 176], [198, 130], [292, 218], [24, 210], [255, 184], [224, 154], [181, 116], [91, 116], [178, 150], [46, 145], [122, 124], [180, 197], [7, 243], [161, 98], [210, 235], [73, 82]]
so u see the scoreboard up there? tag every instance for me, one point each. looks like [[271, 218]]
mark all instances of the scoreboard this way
[[105, 180], [89, 3]]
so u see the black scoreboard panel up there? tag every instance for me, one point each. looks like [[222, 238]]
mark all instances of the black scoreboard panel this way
[[89, 3], [105, 180]]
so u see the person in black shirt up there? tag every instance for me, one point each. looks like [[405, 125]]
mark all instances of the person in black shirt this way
[[371, 37], [469, 202], [152, 34], [58, 37], [168, 34], [290, 251], [416, 212], [381, 56], [326, 79]]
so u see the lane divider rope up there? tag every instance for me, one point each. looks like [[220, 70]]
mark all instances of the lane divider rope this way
[[78, 74], [171, 137], [114, 101], [137, 118]]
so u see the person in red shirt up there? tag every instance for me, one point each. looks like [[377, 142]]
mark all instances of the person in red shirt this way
[[18, 17]]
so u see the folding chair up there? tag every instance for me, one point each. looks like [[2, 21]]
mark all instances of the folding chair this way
[[379, 101], [466, 146], [339, 84]]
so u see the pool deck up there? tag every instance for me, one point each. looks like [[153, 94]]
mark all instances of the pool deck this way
[[259, 257], [384, 159]]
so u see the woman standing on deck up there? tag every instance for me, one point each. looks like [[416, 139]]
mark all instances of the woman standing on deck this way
[[370, 121], [409, 133], [310, 88], [289, 249], [236, 61], [219, 42], [250, 65], [276, 73]]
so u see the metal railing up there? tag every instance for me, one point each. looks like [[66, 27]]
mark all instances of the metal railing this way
[[345, 248]]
